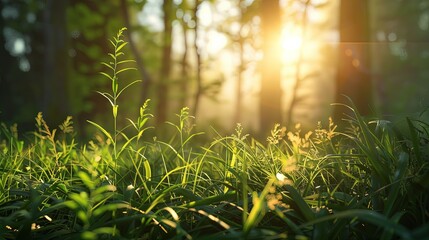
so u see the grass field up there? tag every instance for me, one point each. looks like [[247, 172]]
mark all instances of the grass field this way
[[368, 181]]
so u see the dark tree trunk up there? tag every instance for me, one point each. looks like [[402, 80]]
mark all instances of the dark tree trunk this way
[[270, 96], [354, 79], [96, 102], [6, 62], [162, 95], [55, 101]]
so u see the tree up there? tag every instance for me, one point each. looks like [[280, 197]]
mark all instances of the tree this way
[[199, 80], [298, 68], [184, 65], [270, 95], [90, 25], [399, 59], [241, 38], [163, 87], [55, 96], [146, 78], [353, 77], [7, 62], [20, 84]]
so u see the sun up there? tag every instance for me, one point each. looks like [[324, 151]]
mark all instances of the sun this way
[[291, 43]]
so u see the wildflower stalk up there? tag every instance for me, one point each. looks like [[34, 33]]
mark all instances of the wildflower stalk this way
[[115, 66]]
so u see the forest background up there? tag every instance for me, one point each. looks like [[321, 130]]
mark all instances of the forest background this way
[[249, 61]]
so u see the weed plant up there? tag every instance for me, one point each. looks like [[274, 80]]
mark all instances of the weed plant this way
[[368, 182]]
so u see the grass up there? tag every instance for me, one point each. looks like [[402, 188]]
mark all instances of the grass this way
[[370, 181]]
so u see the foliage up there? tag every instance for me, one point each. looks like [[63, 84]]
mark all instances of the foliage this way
[[370, 181]]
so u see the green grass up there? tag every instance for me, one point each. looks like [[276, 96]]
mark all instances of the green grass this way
[[370, 181]]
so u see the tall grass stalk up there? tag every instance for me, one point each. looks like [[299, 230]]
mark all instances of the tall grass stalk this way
[[115, 66]]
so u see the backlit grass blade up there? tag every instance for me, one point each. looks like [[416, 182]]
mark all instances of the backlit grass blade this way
[[370, 145], [258, 210], [295, 228], [101, 129], [300, 203]]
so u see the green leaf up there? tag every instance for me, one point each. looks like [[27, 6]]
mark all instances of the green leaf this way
[[86, 180], [388, 233], [109, 208], [401, 169], [108, 65], [147, 169], [107, 96], [103, 189], [115, 110], [132, 83], [125, 61], [102, 130], [113, 44], [126, 69], [259, 208], [106, 75], [125, 145], [81, 199], [303, 207], [120, 47], [414, 139]]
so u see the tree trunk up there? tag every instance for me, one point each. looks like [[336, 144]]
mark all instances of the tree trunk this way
[[270, 96], [199, 90], [239, 89], [298, 69], [184, 63], [162, 106], [6, 62], [354, 79], [55, 96], [140, 65]]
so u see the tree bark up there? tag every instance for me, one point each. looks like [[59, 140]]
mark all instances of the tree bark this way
[[270, 95]]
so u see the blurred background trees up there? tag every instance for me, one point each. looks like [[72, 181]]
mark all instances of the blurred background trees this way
[[252, 61], [270, 93], [354, 68]]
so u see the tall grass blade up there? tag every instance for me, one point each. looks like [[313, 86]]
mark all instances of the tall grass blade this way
[[368, 216], [259, 208], [106, 133], [299, 201]]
